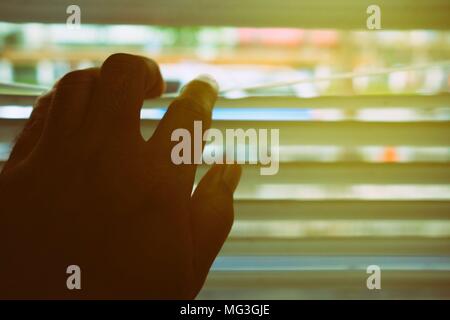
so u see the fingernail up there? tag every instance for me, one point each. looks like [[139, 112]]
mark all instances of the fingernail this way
[[204, 90], [209, 80], [231, 175]]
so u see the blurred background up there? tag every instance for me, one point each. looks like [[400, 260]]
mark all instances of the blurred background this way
[[364, 162]]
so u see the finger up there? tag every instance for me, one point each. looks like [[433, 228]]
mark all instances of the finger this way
[[125, 81], [68, 107], [31, 133], [212, 215], [192, 107]]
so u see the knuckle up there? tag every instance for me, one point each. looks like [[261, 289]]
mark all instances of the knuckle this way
[[123, 62], [76, 77]]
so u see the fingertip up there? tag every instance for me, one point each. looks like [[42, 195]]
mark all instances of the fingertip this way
[[155, 84], [203, 90], [209, 80], [140, 74]]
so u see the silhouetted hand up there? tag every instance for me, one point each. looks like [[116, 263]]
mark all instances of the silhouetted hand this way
[[82, 187]]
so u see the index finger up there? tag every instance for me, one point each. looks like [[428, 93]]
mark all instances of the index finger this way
[[193, 108]]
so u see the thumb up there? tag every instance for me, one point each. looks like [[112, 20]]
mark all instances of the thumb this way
[[212, 215]]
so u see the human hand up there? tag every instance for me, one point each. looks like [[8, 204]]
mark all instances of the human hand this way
[[82, 187]]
